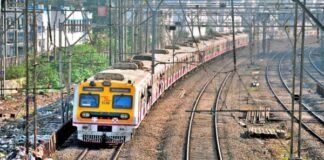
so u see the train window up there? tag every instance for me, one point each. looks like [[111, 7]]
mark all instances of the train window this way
[[122, 102], [149, 91], [89, 100]]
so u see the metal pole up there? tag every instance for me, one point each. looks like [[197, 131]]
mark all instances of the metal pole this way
[[301, 82], [116, 21], [233, 27], [27, 80], [251, 43], [153, 39], [61, 69], [293, 84], [34, 71], [133, 29], [69, 54], [120, 31], [140, 30], [5, 45], [146, 29], [69, 84], [125, 28], [16, 35], [48, 33], [264, 33], [317, 22], [110, 35]]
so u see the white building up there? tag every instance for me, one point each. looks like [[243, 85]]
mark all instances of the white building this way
[[74, 28]]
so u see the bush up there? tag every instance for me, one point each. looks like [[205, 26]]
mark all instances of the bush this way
[[85, 59], [15, 72], [48, 75]]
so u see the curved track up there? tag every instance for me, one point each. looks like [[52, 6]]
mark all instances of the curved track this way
[[314, 65], [282, 89], [305, 106], [215, 117]]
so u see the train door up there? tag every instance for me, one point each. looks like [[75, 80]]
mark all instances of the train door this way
[[142, 104]]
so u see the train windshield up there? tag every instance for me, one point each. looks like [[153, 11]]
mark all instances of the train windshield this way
[[122, 102], [89, 100]]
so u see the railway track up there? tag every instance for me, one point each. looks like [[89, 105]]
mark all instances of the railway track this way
[[109, 154], [314, 65], [312, 70], [277, 87], [207, 135]]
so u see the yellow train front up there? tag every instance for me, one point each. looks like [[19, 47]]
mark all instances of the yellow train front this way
[[103, 111]]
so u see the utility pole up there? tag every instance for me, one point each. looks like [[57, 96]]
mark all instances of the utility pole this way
[[146, 29], [16, 35], [233, 28], [120, 28], [251, 40], [61, 69], [116, 20], [293, 84], [140, 32], [264, 33], [48, 31], [133, 28], [1, 63], [34, 71], [153, 39], [257, 35], [4, 46], [69, 83], [125, 28], [27, 80], [110, 34], [301, 83], [322, 39]]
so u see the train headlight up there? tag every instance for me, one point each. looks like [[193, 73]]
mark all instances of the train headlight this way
[[85, 115], [86, 128], [124, 116]]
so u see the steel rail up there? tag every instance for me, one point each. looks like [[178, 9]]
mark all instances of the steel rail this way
[[314, 65], [117, 152], [83, 154], [187, 155], [215, 117], [285, 107], [289, 91], [193, 114]]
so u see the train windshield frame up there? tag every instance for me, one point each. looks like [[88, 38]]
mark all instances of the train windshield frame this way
[[89, 100], [122, 102]]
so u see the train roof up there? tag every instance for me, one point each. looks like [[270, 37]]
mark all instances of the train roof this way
[[139, 69], [134, 76]]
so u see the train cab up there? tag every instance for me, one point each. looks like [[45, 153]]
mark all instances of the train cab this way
[[104, 109]]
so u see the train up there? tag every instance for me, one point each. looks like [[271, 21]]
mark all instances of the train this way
[[110, 105]]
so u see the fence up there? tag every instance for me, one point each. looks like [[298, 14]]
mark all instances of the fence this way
[[59, 137], [10, 61]]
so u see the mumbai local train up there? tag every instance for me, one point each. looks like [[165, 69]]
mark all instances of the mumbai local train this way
[[110, 105]]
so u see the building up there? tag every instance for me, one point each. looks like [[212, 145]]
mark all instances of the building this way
[[72, 26]]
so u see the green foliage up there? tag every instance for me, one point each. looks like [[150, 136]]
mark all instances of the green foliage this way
[[85, 61], [48, 75], [85, 64], [15, 72]]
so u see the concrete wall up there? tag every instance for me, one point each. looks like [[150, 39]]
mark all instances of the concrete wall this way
[[16, 83]]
